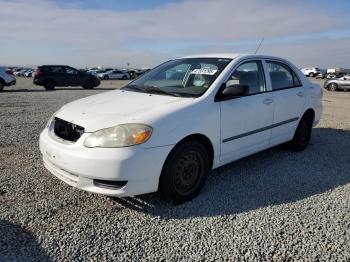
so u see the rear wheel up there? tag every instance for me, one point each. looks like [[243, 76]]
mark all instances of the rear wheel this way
[[88, 85], [302, 134], [49, 84], [332, 87], [106, 77], [184, 172]]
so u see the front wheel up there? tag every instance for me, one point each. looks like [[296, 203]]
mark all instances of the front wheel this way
[[88, 85], [333, 87], [302, 134], [184, 172]]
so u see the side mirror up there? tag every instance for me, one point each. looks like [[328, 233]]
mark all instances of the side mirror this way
[[232, 91]]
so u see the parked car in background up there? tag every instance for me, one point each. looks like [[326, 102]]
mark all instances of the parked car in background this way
[[311, 71], [20, 72], [9, 71], [6, 79], [334, 75], [342, 83], [16, 70], [114, 74], [166, 134], [331, 76], [338, 71], [321, 75], [28, 73], [50, 76], [132, 73], [95, 72]]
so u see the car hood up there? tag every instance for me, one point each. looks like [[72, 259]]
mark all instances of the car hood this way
[[119, 107]]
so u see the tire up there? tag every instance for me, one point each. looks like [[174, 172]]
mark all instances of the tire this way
[[49, 84], [311, 75], [106, 77], [88, 85], [184, 172], [2, 85], [302, 134], [332, 87], [124, 78]]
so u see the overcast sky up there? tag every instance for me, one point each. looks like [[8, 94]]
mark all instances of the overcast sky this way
[[144, 33]]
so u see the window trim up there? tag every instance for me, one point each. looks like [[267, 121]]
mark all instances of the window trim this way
[[223, 84], [293, 73]]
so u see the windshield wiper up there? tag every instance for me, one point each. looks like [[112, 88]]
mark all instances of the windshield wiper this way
[[134, 87], [157, 90]]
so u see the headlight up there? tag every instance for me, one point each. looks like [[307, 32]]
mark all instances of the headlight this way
[[51, 119], [119, 136]]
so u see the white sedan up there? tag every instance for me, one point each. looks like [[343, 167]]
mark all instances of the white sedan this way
[[114, 74], [169, 128]]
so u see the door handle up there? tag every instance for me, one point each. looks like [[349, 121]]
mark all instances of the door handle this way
[[300, 94], [268, 101]]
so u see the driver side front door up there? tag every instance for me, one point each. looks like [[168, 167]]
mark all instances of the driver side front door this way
[[246, 120]]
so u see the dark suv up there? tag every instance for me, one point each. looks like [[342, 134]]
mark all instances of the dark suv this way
[[50, 76]]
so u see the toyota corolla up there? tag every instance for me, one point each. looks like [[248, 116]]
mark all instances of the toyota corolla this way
[[168, 129]]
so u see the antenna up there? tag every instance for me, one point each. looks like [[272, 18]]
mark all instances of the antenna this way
[[259, 45]]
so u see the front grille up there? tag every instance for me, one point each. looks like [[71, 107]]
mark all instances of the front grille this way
[[67, 131]]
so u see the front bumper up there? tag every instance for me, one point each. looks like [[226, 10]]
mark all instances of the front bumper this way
[[11, 83], [79, 166]]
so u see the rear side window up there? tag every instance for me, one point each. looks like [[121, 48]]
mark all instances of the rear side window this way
[[282, 76], [56, 69]]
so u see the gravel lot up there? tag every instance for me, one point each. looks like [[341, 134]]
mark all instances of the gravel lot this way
[[276, 205]]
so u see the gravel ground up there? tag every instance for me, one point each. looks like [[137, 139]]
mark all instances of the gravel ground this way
[[276, 205]]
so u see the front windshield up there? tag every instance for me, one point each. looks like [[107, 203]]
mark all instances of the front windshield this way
[[186, 77]]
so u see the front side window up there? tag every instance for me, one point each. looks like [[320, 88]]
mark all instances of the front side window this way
[[282, 76], [249, 74], [186, 77], [71, 71]]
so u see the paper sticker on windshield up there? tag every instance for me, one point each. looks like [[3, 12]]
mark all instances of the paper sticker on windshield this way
[[204, 71]]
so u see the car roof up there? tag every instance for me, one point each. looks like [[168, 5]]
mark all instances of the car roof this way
[[233, 56], [52, 65], [215, 55]]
